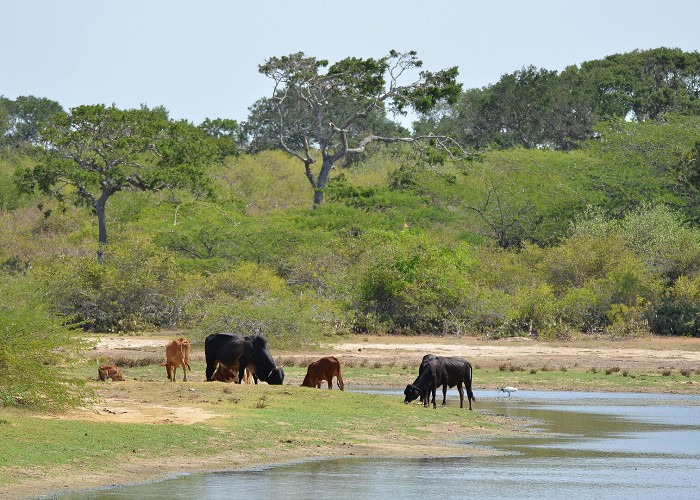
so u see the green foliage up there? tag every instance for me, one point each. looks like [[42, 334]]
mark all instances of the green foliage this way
[[251, 299], [22, 119], [525, 242], [136, 287], [646, 83], [412, 286], [679, 312], [37, 347]]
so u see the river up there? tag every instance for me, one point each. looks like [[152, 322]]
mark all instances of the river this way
[[597, 445]]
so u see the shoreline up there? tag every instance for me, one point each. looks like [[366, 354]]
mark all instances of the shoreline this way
[[137, 471], [149, 473], [128, 404]]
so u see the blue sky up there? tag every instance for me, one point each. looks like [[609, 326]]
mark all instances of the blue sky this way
[[199, 58]]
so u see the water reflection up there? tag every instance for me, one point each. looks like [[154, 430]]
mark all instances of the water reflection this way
[[607, 445]]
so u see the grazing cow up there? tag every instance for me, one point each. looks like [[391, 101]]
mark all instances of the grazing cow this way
[[448, 371], [324, 369], [110, 371], [224, 374], [429, 377], [177, 353], [247, 353]]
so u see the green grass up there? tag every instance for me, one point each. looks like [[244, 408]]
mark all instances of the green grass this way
[[259, 420], [30, 441], [263, 420]]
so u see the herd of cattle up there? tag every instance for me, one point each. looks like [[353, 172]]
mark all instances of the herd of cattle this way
[[231, 357]]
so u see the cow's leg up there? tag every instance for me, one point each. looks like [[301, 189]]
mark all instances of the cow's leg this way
[[444, 394], [461, 394], [211, 367], [184, 371], [330, 383], [434, 391], [174, 370], [169, 369]]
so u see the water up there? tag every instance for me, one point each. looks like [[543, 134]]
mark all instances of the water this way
[[601, 445]]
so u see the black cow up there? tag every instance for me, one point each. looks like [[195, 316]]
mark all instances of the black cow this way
[[429, 377], [449, 371], [237, 352]]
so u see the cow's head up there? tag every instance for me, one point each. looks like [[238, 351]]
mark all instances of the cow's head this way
[[276, 376], [411, 392]]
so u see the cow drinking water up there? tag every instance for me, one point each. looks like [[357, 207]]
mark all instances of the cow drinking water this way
[[445, 371], [250, 352]]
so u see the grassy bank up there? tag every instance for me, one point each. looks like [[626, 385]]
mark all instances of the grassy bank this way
[[140, 430], [147, 428]]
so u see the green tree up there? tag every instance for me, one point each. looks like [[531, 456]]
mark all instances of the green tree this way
[[332, 113], [23, 119], [531, 108], [646, 83], [227, 133], [98, 151]]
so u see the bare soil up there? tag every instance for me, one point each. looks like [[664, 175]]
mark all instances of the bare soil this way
[[647, 354]]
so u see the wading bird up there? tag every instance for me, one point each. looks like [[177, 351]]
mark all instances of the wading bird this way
[[508, 390]]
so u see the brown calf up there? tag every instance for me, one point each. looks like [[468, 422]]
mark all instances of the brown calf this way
[[177, 353], [324, 369], [110, 371], [225, 374]]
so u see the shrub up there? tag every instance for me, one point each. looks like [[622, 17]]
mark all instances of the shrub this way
[[413, 286], [37, 346], [136, 287], [679, 311], [251, 299]]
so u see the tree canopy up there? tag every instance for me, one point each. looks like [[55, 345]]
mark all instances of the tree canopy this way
[[22, 118], [340, 111], [97, 151], [535, 108]]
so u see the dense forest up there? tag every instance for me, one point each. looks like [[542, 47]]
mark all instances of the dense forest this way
[[548, 204]]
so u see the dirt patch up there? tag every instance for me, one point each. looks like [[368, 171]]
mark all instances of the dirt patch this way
[[647, 354]]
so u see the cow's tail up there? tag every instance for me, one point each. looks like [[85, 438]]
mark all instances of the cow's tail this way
[[339, 381], [468, 383]]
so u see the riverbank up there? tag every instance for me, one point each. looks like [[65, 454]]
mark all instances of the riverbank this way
[[146, 428]]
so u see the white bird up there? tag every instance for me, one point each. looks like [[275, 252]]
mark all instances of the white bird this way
[[508, 390]]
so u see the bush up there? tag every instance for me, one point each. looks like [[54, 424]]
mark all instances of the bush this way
[[251, 299], [137, 287], [413, 286], [679, 312], [37, 347]]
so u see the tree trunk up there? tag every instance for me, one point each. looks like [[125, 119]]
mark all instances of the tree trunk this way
[[100, 206], [322, 180]]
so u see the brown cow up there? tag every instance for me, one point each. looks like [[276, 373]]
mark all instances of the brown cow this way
[[225, 374], [177, 353], [110, 371], [324, 369]]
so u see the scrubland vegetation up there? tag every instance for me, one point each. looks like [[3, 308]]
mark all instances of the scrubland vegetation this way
[[544, 239]]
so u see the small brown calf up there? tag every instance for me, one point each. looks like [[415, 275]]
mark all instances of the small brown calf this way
[[177, 353], [110, 371], [225, 374], [324, 369]]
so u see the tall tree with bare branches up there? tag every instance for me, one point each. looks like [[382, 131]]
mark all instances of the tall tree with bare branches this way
[[324, 112]]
